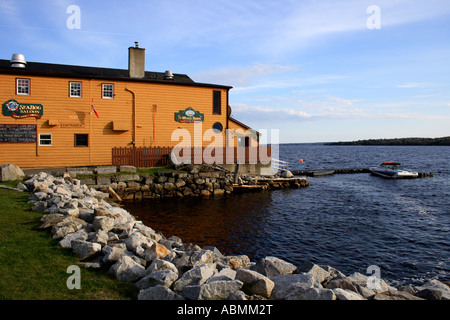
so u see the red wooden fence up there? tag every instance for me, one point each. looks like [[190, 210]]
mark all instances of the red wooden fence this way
[[157, 156]]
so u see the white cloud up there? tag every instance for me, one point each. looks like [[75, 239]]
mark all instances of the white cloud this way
[[241, 76], [413, 85]]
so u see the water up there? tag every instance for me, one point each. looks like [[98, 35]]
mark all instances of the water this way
[[348, 221]]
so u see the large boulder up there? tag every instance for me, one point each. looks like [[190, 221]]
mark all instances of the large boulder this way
[[287, 284], [300, 293], [255, 283], [126, 269], [216, 290], [10, 172], [272, 267], [434, 289], [195, 276], [85, 249], [157, 278], [158, 293]]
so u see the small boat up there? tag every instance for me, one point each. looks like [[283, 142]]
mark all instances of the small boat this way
[[393, 170]]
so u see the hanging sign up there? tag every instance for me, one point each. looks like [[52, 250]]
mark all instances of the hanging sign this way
[[12, 108], [189, 115]]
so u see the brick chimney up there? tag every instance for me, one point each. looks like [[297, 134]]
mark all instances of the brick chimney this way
[[136, 61]]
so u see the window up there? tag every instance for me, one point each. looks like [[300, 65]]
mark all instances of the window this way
[[217, 101], [23, 86], [45, 139], [217, 127], [81, 140], [75, 89], [108, 91]]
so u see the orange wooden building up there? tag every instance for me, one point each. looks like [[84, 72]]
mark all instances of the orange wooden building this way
[[64, 115]]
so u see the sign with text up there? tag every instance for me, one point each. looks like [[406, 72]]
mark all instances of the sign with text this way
[[189, 115], [12, 108], [14, 133]]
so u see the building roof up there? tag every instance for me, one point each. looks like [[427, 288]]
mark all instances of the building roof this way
[[243, 125], [61, 70]]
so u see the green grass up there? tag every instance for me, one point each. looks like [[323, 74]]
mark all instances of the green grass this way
[[150, 171], [33, 267]]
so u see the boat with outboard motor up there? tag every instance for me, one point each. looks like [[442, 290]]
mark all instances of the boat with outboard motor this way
[[393, 170]]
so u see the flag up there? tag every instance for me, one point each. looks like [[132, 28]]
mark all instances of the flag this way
[[93, 109]]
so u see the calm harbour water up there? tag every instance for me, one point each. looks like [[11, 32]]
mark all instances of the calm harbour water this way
[[348, 221]]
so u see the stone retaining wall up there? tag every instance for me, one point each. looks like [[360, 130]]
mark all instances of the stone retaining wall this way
[[194, 182]]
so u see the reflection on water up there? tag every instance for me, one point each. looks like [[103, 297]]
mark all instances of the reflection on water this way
[[346, 221], [230, 223]]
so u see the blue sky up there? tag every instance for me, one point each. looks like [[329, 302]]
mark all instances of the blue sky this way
[[312, 69]]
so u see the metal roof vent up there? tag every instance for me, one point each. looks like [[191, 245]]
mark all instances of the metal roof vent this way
[[18, 61], [168, 75]]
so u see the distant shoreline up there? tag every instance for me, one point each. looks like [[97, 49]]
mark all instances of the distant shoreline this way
[[444, 141]]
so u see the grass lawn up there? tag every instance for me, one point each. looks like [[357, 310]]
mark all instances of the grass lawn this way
[[33, 266]]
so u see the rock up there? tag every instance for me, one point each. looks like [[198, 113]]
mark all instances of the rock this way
[[398, 295], [156, 251], [39, 206], [158, 293], [255, 283], [38, 196], [101, 236], [102, 222], [364, 291], [205, 193], [20, 186], [434, 285], [195, 276], [236, 262], [217, 290], [158, 264], [301, 293], [85, 249], [67, 225], [224, 274], [63, 190], [363, 280], [66, 242], [429, 294], [126, 269], [157, 278], [317, 272], [202, 257], [343, 294], [10, 172], [343, 284], [126, 168], [113, 254], [137, 239], [285, 284], [272, 267], [286, 174], [148, 232]]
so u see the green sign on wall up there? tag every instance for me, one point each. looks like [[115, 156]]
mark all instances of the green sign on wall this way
[[189, 115], [12, 108]]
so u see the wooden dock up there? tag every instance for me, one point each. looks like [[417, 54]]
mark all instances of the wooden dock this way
[[322, 172]]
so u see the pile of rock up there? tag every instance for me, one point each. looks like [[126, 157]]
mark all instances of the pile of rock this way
[[105, 236]]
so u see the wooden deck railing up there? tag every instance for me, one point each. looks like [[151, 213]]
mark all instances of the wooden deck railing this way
[[157, 156]]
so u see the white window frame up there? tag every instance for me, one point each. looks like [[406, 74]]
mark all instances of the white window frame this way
[[41, 139], [20, 85], [73, 89], [109, 89]]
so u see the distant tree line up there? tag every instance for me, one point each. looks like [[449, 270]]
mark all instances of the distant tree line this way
[[444, 141]]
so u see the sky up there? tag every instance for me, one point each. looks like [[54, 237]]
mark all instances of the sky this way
[[311, 70]]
